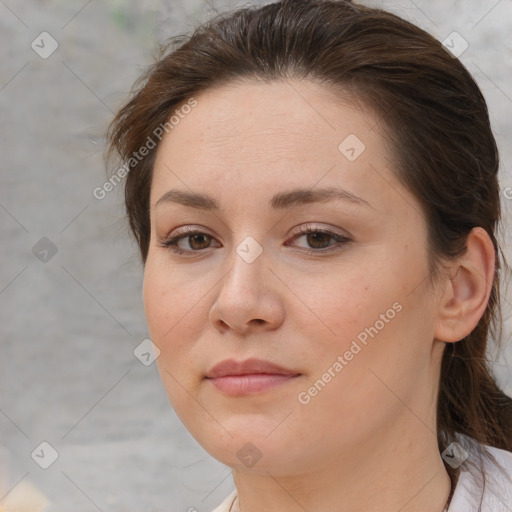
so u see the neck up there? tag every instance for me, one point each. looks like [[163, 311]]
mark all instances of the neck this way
[[403, 472]]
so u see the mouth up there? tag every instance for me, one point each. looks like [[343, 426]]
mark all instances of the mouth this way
[[249, 377]]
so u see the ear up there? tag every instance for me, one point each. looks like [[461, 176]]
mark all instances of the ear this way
[[467, 289]]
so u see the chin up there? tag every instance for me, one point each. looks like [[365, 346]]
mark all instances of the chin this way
[[250, 445]]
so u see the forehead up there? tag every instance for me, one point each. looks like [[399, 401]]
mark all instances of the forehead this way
[[260, 136]]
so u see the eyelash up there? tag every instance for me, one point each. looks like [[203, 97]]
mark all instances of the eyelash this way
[[172, 243]]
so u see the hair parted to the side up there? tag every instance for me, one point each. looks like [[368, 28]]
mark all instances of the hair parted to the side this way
[[436, 119]]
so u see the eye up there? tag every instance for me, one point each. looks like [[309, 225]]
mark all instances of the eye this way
[[196, 239], [318, 239]]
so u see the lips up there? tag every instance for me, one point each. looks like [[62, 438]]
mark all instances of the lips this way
[[230, 367], [248, 377]]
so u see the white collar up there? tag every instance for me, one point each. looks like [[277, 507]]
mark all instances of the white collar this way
[[496, 495]]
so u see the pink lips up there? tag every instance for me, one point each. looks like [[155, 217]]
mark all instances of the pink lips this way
[[250, 376]]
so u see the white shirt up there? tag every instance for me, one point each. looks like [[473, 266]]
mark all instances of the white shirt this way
[[497, 496]]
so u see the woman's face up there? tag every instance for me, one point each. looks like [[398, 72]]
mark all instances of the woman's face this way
[[330, 286]]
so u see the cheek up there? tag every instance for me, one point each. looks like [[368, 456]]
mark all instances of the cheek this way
[[170, 308], [165, 297], [175, 313], [164, 304], [375, 317], [157, 303], [344, 301]]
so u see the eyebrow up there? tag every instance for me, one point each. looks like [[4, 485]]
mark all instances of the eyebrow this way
[[279, 201]]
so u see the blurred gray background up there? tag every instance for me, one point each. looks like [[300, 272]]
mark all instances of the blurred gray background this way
[[70, 277]]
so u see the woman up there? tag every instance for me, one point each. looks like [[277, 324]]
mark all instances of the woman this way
[[313, 189]]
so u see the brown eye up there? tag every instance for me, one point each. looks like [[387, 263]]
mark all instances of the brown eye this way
[[193, 240], [318, 240], [199, 241]]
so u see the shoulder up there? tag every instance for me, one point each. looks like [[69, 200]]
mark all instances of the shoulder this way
[[226, 505], [485, 480]]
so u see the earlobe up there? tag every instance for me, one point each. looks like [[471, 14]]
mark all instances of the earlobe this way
[[467, 289]]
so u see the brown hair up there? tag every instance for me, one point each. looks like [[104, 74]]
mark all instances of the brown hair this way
[[436, 119]]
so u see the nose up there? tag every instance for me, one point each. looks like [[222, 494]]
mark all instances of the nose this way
[[248, 298]]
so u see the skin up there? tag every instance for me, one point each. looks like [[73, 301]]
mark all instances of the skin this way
[[367, 440]]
